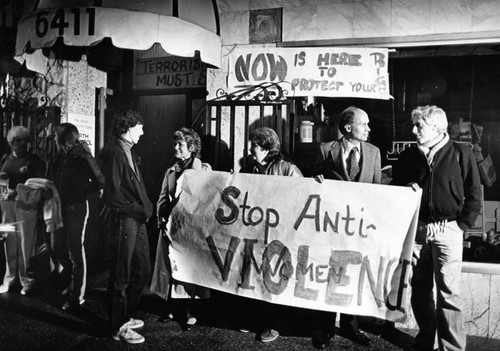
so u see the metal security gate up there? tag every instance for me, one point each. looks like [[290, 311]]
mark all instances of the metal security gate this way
[[231, 118]]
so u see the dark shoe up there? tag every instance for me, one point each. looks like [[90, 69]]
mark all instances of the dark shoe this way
[[72, 305], [418, 347], [360, 338], [321, 339], [166, 317]]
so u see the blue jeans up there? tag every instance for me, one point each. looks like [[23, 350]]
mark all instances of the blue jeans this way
[[130, 269], [438, 261]]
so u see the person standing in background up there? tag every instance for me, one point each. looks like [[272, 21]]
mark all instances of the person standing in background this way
[[19, 166], [451, 200], [129, 208], [76, 175]]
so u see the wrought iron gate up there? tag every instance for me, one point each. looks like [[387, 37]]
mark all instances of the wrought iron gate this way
[[231, 117]]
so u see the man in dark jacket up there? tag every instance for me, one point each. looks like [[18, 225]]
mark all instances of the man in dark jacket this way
[[451, 200], [125, 195]]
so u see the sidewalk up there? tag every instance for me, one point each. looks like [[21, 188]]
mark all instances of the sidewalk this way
[[35, 322]]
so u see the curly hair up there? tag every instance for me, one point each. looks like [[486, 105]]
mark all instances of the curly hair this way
[[191, 138], [124, 120], [268, 140], [20, 133]]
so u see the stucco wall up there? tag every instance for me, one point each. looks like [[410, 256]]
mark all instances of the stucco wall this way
[[395, 22], [82, 83], [341, 19], [480, 290]]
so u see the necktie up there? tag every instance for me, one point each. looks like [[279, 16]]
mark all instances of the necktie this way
[[352, 164]]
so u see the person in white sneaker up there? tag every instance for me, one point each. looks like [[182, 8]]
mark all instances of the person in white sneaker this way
[[129, 208]]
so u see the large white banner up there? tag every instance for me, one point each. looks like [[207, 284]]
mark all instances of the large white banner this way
[[329, 71], [335, 246]]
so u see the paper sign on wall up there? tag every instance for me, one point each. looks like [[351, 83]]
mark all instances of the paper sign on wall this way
[[329, 71], [86, 128]]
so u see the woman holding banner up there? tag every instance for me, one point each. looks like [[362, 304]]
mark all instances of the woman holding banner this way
[[187, 151], [266, 158]]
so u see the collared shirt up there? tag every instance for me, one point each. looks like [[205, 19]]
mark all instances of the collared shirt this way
[[347, 147]]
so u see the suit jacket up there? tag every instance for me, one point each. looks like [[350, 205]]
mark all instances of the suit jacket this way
[[333, 166]]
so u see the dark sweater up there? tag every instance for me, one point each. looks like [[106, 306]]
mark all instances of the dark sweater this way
[[450, 188], [20, 169], [76, 175], [124, 192]]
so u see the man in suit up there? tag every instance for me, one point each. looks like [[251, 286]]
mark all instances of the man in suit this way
[[350, 158], [337, 154]]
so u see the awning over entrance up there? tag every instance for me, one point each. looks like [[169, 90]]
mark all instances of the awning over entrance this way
[[182, 27]]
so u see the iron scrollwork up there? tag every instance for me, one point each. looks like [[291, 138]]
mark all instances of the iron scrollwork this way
[[266, 92]]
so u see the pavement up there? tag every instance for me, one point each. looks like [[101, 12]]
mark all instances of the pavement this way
[[36, 322]]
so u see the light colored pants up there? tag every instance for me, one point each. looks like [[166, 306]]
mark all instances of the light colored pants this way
[[438, 261], [19, 245]]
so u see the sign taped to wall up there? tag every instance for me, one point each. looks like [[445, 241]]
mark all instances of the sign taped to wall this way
[[86, 127], [170, 72], [330, 71], [334, 246]]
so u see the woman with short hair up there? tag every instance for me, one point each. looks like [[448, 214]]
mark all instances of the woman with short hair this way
[[187, 151], [265, 158]]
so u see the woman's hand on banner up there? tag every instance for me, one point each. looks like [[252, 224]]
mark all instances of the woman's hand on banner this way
[[319, 178], [414, 186]]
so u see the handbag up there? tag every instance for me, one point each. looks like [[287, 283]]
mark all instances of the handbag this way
[[487, 171]]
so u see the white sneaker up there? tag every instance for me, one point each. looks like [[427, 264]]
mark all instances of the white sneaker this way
[[269, 335], [191, 321], [26, 290], [128, 336], [4, 288], [134, 323]]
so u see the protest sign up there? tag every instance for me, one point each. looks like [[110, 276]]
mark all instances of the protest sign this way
[[328, 71], [171, 72], [334, 246]]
